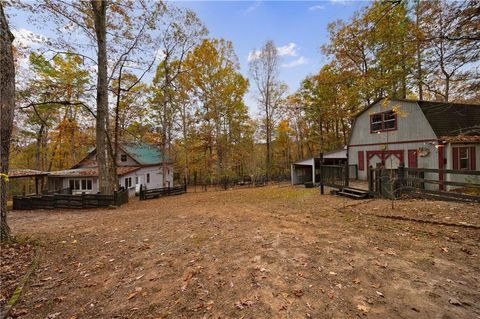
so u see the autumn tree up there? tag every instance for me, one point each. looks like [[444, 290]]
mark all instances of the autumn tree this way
[[181, 31], [7, 106], [264, 69], [218, 89], [117, 32]]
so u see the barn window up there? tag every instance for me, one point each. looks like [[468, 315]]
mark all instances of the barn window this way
[[386, 121], [123, 158], [148, 178]]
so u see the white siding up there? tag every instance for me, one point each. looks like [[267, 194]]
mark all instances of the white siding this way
[[449, 165], [428, 161], [413, 130], [412, 125], [155, 180]]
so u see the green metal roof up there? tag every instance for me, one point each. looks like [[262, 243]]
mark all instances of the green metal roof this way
[[145, 154]]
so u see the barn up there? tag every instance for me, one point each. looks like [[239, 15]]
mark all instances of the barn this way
[[420, 134]]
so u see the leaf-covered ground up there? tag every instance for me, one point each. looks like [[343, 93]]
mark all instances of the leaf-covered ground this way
[[273, 252], [15, 259]]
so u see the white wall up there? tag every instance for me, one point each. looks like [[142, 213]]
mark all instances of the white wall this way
[[411, 125], [457, 177], [429, 161], [156, 177]]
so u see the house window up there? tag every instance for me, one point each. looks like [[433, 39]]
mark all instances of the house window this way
[[128, 182], [386, 121], [80, 184], [148, 178], [464, 158], [136, 180], [123, 158]]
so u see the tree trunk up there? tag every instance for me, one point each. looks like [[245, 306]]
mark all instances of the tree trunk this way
[[7, 103], [103, 157]]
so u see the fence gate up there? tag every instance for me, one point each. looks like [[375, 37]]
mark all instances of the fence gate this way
[[335, 176]]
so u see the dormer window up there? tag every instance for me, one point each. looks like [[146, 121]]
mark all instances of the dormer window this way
[[386, 121], [123, 157]]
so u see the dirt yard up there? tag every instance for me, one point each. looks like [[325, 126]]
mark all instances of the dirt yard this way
[[273, 252]]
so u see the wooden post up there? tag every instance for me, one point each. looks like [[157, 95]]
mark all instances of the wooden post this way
[[322, 184], [346, 174], [401, 179]]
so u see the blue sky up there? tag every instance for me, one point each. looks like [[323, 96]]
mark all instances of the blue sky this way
[[298, 28]]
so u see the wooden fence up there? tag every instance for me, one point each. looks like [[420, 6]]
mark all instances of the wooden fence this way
[[69, 201], [424, 182], [159, 192]]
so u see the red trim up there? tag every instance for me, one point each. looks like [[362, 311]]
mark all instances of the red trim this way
[[472, 158], [383, 129], [384, 155], [455, 155], [361, 161], [412, 159], [441, 165], [391, 143]]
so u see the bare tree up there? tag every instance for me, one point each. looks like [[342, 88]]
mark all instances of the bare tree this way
[[7, 103], [452, 47], [264, 68]]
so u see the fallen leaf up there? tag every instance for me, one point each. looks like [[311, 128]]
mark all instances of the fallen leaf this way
[[132, 295], [363, 308], [454, 301]]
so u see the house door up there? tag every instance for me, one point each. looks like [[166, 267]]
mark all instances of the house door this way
[[412, 159]]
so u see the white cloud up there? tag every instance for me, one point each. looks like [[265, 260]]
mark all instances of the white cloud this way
[[27, 39], [286, 50], [297, 62], [340, 1], [315, 8], [160, 54]]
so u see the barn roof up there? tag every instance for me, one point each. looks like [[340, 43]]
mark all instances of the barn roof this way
[[452, 119], [445, 118]]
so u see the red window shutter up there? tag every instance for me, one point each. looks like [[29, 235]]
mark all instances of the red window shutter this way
[[455, 158], [412, 159], [361, 161], [472, 158]]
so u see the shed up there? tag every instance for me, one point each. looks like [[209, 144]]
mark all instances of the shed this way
[[308, 170]]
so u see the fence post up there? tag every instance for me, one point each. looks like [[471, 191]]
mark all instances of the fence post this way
[[370, 179], [401, 178], [322, 187], [346, 174]]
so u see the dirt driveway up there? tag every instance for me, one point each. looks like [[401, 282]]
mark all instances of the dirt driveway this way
[[273, 252]]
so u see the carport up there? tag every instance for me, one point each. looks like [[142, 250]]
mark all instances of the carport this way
[[304, 171], [308, 170]]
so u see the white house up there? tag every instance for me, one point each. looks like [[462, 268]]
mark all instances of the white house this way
[[421, 134], [137, 164]]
